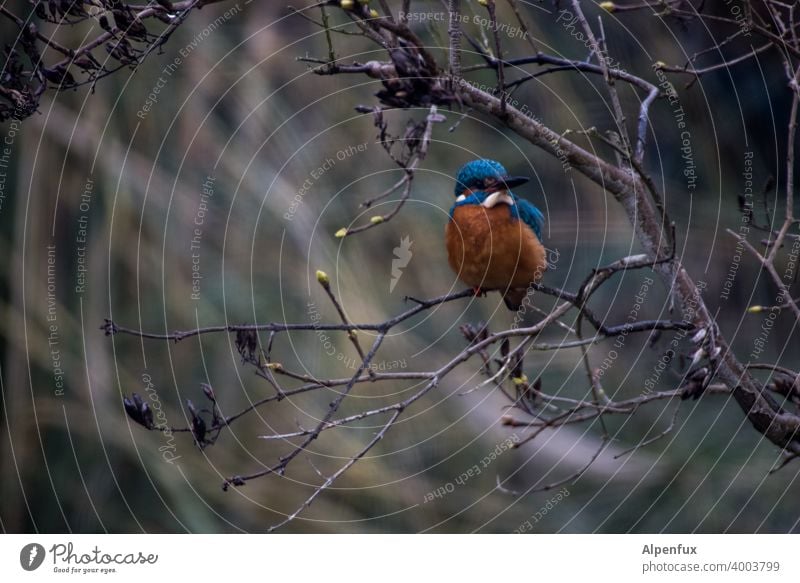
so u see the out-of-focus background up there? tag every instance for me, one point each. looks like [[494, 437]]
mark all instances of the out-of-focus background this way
[[243, 168]]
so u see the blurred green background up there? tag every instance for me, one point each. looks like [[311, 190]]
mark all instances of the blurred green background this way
[[242, 113]]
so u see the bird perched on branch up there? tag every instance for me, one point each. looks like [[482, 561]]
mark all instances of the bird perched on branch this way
[[493, 237]]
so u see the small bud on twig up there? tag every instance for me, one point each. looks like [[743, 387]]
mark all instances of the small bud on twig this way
[[139, 411], [208, 392], [698, 337], [699, 354]]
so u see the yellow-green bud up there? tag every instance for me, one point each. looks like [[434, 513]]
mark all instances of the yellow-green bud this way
[[520, 380], [341, 233], [275, 366], [322, 277], [373, 13], [755, 309], [608, 6], [376, 219], [347, 4]]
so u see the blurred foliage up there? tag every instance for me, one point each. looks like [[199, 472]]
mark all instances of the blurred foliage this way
[[241, 113]]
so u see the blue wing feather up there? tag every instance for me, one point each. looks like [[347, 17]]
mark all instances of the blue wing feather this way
[[530, 215]]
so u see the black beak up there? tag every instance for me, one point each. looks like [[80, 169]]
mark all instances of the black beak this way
[[512, 181]]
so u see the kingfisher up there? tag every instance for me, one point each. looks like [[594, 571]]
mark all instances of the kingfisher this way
[[493, 237]]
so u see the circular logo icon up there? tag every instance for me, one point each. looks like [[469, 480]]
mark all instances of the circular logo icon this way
[[31, 556]]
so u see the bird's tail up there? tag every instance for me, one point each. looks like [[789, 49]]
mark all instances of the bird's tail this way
[[514, 298]]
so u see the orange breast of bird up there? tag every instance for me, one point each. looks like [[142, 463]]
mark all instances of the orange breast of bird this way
[[490, 249]]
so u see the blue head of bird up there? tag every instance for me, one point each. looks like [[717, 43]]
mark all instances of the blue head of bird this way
[[484, 176]]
